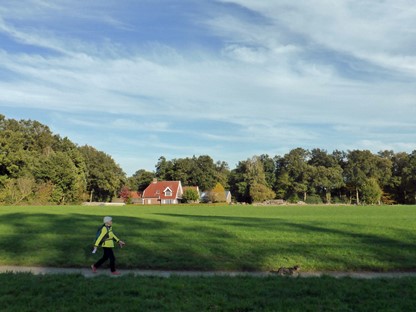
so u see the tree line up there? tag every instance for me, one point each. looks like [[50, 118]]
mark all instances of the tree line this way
[[39, 167]]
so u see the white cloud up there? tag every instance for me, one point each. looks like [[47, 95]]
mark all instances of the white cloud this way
[[281, 75], [245, 54], [377, 32]]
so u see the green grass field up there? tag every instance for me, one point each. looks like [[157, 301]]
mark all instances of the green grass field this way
[[24, 292], [211, 238], [348, 238]]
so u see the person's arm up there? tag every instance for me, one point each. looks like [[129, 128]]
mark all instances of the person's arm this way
[[113, 236]]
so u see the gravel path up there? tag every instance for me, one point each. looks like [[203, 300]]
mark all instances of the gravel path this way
[[88, 273]]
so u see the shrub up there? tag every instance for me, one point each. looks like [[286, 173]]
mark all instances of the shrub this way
[[190, 196], [340, 200], [371, 192], [293, 198], [314, 199]]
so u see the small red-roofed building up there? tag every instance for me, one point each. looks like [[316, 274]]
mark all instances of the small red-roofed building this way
[[162, 192], [135, 197]]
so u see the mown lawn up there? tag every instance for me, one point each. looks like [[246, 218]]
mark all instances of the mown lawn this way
[[25, 292], [379, 238]]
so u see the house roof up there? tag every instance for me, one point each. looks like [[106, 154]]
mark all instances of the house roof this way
[[163, 190], [135, 194]]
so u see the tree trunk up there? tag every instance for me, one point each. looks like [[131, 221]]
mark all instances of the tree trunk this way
[[357, 197]]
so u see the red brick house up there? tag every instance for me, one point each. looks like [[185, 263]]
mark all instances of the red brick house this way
[[162, 192]]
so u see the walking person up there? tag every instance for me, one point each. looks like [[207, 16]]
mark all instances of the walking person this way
[[106, 239]]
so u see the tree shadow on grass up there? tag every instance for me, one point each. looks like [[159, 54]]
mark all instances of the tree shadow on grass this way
[[195, 242], [57, 240], [316, 245]]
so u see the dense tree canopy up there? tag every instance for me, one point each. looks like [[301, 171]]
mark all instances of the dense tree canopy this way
[[104, 177], [196, 171], [140, 180], [39, 167], [248, 181]]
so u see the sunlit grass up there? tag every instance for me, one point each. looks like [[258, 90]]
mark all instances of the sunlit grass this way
[[204, 237]]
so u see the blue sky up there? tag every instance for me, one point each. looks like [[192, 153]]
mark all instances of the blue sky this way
[[229, 79]]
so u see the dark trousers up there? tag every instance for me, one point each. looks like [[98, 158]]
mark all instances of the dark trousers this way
[[108, 254]]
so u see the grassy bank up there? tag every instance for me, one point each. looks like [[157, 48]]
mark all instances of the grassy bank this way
[[25, 292], [378, 238]]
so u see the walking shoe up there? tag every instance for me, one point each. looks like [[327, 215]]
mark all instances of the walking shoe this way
[[115, 273], [93, 268]]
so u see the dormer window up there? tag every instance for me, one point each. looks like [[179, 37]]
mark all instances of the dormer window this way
[[167, 192]]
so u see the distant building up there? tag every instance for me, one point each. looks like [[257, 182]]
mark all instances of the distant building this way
[[136, 197], [228, 198], [208, 196], [162, 192]]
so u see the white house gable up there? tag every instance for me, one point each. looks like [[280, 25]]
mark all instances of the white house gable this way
[[168, 192]]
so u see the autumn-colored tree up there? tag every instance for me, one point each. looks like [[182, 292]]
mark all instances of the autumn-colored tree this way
[[125, 194], [217, 194]]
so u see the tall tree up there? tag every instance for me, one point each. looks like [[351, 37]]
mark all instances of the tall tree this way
[[182, 170], [325, 180], [164, 169], [409, 179], [248, 180], [38, 137], [204, 173], [222, 173], [13, 158], [239, 184], [294, 166], [319, 157], [104, 176], [363, 165], [326, 173], [140, 180], [269, 167], [60, 171], [67, 147]]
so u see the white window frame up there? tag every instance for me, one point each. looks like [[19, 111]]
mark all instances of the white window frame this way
[[168, 192]]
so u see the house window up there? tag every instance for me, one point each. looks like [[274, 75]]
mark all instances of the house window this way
[[168, 192]]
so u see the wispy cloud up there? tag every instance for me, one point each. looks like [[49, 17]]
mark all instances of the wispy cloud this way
[[381, 33], [271, 75]]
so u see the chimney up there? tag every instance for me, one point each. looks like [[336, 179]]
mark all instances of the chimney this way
[[154, 180]]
